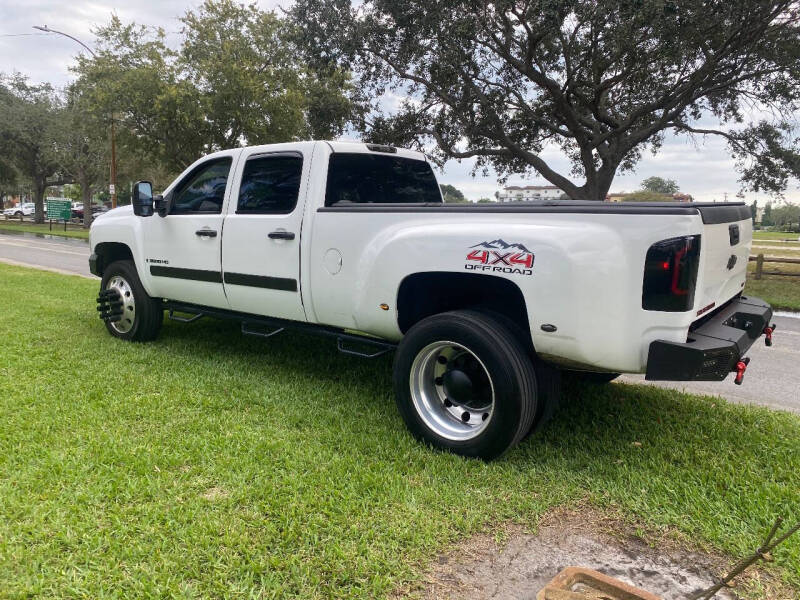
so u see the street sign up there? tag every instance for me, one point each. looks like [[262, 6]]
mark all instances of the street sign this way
[[59, 210], [111, 189]]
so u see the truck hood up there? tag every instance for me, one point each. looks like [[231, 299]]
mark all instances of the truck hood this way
[[120, 211]]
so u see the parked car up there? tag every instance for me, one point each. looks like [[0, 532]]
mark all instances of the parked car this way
[[484, 304], [26, 209], [77, 210]]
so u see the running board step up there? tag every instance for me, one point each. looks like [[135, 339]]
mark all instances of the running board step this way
[[195, 316], [382, 347], [269, 334]]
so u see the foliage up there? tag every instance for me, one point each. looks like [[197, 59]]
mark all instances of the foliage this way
[[766, 218], [235, 79], [31, 130], [786, 217], [9, 177], [754, 211], [72, 191], [83, 150], [602, 81], [646, 196], [212, 465], [484, 200], [660, 185], [451, 193]]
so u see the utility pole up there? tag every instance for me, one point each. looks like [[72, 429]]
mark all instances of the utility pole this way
[[113, 174]]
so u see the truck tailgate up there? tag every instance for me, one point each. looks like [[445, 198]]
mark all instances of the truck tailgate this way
[[724, 252]]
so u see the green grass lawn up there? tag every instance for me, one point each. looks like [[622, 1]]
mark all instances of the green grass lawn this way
[[775, 235], [207, 464], [782, 292], [73, 231]]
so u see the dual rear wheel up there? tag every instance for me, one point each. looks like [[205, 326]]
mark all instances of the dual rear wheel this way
[[465, 382]]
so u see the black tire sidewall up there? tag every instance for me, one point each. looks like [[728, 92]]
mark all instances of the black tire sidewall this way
[[495, 347]]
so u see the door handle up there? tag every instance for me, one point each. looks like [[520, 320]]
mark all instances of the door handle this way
[[280, 235], [206, 233]]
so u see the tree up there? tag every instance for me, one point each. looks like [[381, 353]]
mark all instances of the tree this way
[[754, 211], [83, 150], [8, 179], [660, 185], [235, 79], [451, 193], [766, 218], [29, 124], [786, 217], [646, 196], [603, 81], [485, 200]]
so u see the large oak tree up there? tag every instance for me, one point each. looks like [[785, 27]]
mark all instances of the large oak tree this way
[[604, 81]]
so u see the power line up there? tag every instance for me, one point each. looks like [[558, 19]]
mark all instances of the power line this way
[[20, 34]]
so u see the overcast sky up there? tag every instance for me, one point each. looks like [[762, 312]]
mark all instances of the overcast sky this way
[[701, 168]]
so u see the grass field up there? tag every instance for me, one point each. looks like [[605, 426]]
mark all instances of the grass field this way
[[775, 235], [206, 464], [781, 292], [73, 231]]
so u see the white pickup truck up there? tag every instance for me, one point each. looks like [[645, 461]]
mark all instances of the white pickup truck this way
[[484, 304]]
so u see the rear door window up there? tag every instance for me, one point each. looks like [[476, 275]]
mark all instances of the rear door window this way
[[270, 184], [379, 179]]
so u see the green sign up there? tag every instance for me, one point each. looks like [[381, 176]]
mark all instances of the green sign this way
[[59, 210]]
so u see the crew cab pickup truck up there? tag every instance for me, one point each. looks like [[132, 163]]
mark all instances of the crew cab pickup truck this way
[[483, 304]]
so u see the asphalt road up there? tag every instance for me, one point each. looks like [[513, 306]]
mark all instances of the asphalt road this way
[[53, 253], [773, 378]]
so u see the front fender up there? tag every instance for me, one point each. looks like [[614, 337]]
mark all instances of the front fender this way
[[121, 226]]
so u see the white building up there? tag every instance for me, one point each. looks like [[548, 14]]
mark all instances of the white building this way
[[514, 193]]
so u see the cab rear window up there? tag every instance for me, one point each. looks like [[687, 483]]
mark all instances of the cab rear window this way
[[377, 179]]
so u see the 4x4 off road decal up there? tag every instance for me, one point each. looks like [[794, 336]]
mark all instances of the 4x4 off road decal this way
[[501, 257]]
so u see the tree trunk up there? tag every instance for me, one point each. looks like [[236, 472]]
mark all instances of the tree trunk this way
[[596, 186], [86, 196], [39, 188]]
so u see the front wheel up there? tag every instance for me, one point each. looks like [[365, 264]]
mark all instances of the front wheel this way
[[464, 383], [141, 316]]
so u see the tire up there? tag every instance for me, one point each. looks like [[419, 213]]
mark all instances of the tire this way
[[548, 380], [464, 383], [148, 314], [592, 377], [548, 377]]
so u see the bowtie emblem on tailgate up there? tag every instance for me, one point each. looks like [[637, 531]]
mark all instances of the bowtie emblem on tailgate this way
[[500, 256]]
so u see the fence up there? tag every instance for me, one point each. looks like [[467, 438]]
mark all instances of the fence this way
[[761, 259]]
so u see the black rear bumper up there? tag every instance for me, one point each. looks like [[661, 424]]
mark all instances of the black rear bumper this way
[[712, 349]]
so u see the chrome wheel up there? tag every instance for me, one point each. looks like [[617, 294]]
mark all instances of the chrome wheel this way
[[452, 391], [125, 291]]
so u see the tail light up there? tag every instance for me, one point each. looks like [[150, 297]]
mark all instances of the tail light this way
[[670, 274]]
